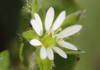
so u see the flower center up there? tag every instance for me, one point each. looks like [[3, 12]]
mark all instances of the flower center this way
[[48, 40]]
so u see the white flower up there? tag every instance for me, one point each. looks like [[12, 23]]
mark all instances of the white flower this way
[[50, 38]]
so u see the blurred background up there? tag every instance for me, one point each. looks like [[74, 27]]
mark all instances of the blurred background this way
[[90, 36], [88, 41]]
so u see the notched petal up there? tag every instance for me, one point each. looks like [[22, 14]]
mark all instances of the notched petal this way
[[69, 31], [49, 19], [67, 45], [60, 52], [58, 22], [43, 53], [50, 54], [35, 42], [39, 24]]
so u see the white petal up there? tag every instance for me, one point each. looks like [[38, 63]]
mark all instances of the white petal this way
[[67, 45], [39, 23], [69, 31], [35, 42], [43, 53], [50, 54], [60, 52], [58, 22], [49, 18], [35, 27]]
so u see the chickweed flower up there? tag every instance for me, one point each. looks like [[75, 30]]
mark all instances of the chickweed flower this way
[[51, 37]]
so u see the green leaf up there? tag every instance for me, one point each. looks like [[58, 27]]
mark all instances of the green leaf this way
[[28, 35], [71, 19], [4, 60], [35, 7], [45, 64], [66, 64]]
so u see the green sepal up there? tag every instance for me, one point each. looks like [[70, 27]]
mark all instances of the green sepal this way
[[71, 19], [72, 52], [29, 35], [45, 64], [75, 52]]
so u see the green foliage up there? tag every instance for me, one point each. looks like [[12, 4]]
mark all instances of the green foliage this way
[[66, 64], [26, 9], [4, 61]]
